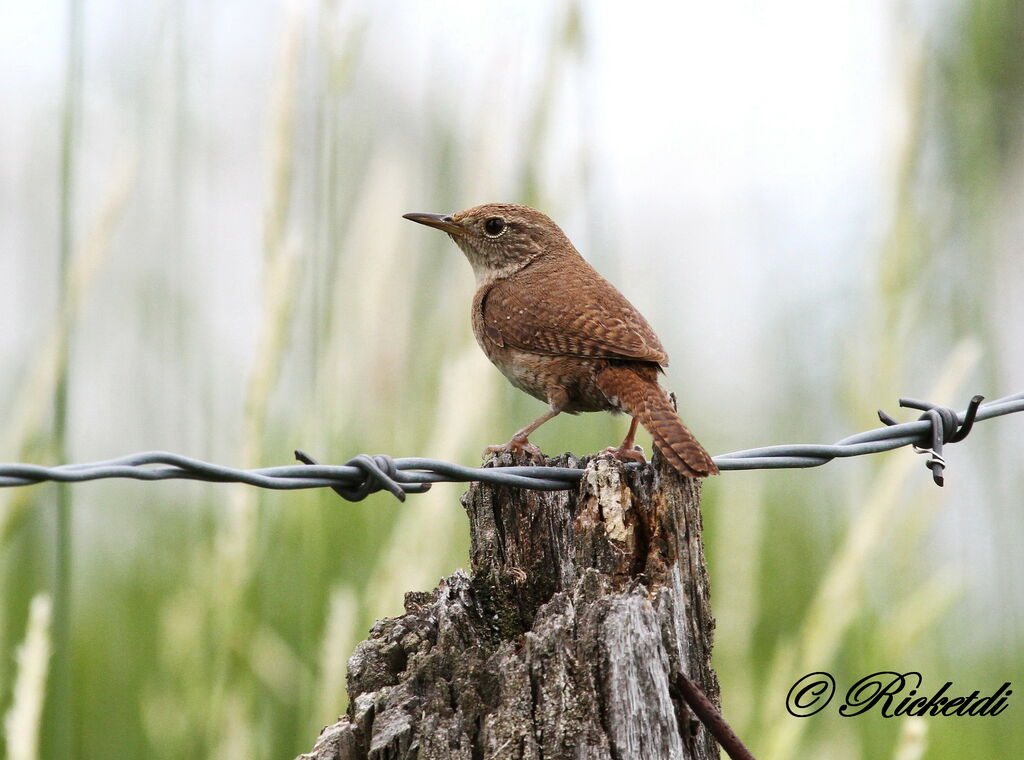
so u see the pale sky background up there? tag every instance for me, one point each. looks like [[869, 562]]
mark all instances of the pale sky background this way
[[738, 149], [734, 168], [741, 161]]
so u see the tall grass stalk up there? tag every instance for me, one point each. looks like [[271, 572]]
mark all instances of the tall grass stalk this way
[[913, 739], [336, 645], [371, 301], [235, 552], [61, 692], [566, 45], [32, 405], [410, 560], [919, 611], [840, 599], [34, 400], [23, 722], [280, 279], [738, 538]]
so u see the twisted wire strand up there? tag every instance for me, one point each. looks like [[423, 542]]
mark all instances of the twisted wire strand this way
[[365, 474]]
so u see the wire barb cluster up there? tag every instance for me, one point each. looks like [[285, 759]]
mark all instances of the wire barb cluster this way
[[946, 428], [365, 474]]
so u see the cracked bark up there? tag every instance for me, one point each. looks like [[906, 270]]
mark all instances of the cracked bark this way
[[563, 643]]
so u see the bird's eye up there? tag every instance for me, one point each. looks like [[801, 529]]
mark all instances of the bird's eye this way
[[494, 226]]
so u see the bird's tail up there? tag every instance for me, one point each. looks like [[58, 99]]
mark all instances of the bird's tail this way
[[643, 398]]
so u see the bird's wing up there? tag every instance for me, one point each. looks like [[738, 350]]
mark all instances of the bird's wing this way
[[544, 310]]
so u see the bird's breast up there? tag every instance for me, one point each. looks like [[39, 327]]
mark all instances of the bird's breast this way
[[541, 374]]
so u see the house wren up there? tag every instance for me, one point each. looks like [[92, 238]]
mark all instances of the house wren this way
[[561, 332]]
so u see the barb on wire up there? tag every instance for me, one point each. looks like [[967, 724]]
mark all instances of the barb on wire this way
[[945, 428], [364, 474]]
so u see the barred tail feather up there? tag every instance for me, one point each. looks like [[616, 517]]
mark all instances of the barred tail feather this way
[[644, 399]]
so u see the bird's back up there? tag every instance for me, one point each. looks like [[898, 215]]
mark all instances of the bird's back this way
[[560, 305]]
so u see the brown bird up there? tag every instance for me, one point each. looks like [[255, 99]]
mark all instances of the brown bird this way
[[561, 332]]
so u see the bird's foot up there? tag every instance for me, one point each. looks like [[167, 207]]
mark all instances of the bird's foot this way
[[515, 446], [630, 454]]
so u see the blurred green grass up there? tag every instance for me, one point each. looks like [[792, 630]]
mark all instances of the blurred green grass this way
[[214, 621]]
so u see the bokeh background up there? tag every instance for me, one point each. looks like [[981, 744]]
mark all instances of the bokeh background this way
[[819, 206]]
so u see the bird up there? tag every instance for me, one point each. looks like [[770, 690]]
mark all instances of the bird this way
[[562, 333]]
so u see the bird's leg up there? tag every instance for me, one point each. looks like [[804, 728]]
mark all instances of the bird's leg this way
[[520, 440], [628, 450]]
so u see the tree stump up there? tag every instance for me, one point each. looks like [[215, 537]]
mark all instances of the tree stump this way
[[565, 642]]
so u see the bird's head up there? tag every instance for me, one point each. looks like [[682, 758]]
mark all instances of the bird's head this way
[[499, 239]]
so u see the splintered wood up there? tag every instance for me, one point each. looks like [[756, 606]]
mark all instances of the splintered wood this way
[[565, 640]]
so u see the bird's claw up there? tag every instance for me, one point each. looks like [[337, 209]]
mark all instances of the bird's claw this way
[[634, 454], [515, 446]]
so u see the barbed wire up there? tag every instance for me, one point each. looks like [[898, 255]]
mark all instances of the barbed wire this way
[[366, 474]]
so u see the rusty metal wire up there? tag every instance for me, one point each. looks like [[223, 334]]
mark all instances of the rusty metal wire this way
[[366, 474]]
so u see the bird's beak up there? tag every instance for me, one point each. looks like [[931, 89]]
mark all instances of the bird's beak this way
[[441, 222]]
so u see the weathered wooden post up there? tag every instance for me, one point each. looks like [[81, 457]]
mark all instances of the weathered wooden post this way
[[565, 642]]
